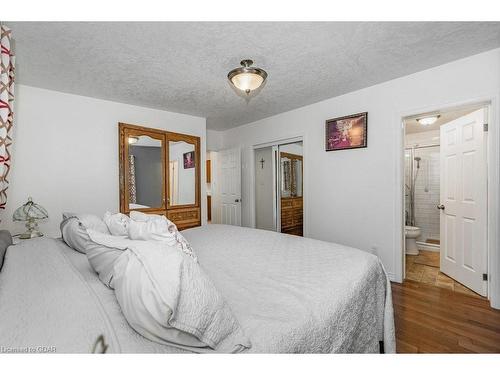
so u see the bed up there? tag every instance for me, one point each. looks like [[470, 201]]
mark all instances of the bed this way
[[289, 294]]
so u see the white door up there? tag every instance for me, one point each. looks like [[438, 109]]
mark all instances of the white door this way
[[464, 200], [229, 189]]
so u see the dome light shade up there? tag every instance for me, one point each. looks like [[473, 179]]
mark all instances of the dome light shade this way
[[429, 120], [247, 78]]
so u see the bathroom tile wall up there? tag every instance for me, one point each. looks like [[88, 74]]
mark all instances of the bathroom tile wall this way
[[427, 183], [427, 193]]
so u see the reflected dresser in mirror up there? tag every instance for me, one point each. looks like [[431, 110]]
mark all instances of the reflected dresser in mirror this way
[[160, 173], [291, 193]]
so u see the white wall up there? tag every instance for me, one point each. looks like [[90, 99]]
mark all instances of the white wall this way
[[351, 196], [264, 216], [214, 140], [430, 137], [65, 152]]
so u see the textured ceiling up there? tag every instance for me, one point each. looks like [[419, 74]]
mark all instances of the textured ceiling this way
[[182, 67]]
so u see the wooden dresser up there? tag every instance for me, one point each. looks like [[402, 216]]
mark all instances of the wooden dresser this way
[[291, 216]]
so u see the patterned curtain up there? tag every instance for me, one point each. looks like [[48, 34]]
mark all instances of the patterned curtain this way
[[287, 177], [293, 184], [6, 108], [131, 180]]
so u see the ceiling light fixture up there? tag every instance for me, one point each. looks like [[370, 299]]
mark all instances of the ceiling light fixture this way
[[132, 140], [247, 78], [429, 120]]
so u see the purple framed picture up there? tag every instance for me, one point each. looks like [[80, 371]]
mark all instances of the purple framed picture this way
[[189, 160], [344, 133]]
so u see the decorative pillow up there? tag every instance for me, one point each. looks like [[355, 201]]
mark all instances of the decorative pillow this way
[[168, 298], [158, 228], [90, 221], [117, 223], [141, 216], [74, 226], [102, 258]]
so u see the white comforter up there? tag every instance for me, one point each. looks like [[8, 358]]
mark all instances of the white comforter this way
[[289, 294], [296, 295]]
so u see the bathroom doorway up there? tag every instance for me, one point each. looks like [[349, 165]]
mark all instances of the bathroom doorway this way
[[279, 170], [445, 199]]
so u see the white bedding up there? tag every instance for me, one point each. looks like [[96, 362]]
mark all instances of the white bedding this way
[[294, 295], [165, 296], [289, 294], [51, 297]]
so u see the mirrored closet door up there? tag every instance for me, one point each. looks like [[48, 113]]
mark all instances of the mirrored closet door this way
[[290, 188], [279, 188], [160, 174]]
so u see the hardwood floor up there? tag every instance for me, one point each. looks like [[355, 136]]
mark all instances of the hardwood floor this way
[[430, 319]]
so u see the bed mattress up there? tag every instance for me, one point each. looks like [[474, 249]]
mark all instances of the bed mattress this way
[[290, 295]]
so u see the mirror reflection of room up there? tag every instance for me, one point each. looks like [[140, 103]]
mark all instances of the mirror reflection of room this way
[[291, 188], [291, 175], [145, 172], [182, 173]]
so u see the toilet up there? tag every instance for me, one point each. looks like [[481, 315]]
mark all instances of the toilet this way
[[411, 234]]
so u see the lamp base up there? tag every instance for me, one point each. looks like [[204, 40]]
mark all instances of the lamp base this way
[[32, 230], [30, 234]]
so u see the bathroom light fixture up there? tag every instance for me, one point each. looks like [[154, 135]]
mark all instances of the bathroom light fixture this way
[[132, 140], [429, 120], [247, 78]]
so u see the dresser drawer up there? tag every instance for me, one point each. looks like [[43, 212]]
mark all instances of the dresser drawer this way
[[185, 218]]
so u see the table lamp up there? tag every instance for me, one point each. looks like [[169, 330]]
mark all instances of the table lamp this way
[[30, 212]]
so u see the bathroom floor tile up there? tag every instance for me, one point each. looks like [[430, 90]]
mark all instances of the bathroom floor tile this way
[[430, 275], [425, 268], [428, 258], [415, 272]]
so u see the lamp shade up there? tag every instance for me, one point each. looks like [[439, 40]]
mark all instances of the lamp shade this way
[[30, 211]]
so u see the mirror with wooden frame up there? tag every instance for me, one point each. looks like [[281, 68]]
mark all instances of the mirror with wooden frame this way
[[142, 169], [160, 173]]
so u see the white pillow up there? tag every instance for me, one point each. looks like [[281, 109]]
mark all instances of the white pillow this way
[[74, 229], [167, 298], [158, 228], [90, 221], [141, 216], [117, 223]]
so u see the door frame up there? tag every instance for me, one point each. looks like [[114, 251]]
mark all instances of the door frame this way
[[279, 142], [491, 102]]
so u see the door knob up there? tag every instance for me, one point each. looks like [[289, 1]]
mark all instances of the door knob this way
[[236, 200], [440, 206]]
